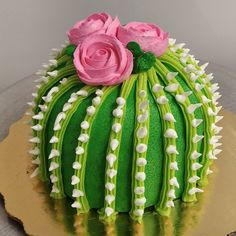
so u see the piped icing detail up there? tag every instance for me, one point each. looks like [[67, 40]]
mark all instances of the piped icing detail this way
[[82, 150], [113, 151], [58, 145], [169, 135], [191, 131], [141, 135]]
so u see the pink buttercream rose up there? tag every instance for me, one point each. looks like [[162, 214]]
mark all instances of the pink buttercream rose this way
[[149, 36], [98, 23], [102, 60]]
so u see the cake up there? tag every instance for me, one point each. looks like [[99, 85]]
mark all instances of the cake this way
[[124, 119]]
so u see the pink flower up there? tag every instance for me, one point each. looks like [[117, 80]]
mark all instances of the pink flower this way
[[102, 60], [98, 23], [149, 36]]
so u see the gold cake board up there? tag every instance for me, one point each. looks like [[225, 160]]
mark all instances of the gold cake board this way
[[27, 199]]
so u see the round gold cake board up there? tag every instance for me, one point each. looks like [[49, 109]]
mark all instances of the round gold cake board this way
[[27, 199]]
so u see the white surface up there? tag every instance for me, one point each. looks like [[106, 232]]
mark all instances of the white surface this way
[[29, 28]]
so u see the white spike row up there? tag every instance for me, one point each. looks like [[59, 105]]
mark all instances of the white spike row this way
[[116, 127], [190, 68], [141, 148], [75, 180], [109, 186], [35, 173], [96, 101], [114, 144], [53, 178], [171, 75], [162, 100], [170, 204], [38, 116], [192, 107], [79, 150], [156, 88], [63, 81], [193, 77], [172, 87], [196, 166], [76, 205], [196, 122], [111, 158], [198, 86], [53, 62], [54, 139], [197, 138], [195, 155], [140, 201], [37, 127], [67, 106], [34, 151], [139, 190], [53, 166], [84, 125], [31, 104], [111, 173], [174, 166], [211, 156], [193, 179], [171, 41], [109, 211], [138, 212], [171, 194], [34, 140], [174, 182], [195, 190], [109, 198], [36, 161], [117, 112], [43, 107], [169, 117], [205, 99], [83, 138], [76, 165], [170, 133], [54, 153], [53, 74], [140, 176], [141, 161], [55, 189], [171, 149], [82, 93], [77, 193], [218, 118]]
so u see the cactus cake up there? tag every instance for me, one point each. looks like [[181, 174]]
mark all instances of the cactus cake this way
[[124, 118]]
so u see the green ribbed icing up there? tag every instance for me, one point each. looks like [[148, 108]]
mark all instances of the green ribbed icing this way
[[131, 146]]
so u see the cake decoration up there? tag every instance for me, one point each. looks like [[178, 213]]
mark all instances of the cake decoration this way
[[124, 118]]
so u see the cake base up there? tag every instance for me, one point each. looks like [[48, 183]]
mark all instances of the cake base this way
[[28, 201]]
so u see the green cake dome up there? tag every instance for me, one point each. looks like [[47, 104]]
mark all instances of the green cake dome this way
[[143, 142]]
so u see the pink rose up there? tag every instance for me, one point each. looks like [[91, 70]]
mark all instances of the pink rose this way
[[98, 23], [102, 60], [149, 36]]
